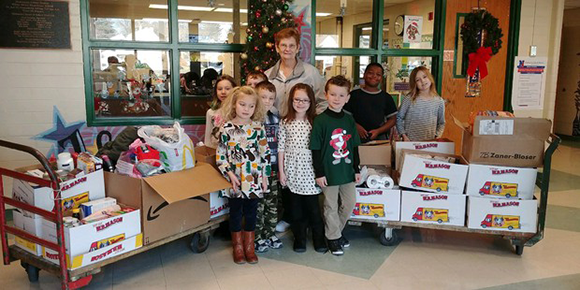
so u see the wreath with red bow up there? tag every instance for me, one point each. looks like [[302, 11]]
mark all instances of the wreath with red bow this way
[[475, 23]]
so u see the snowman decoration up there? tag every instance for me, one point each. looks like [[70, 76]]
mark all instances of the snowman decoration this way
[[338, 142]]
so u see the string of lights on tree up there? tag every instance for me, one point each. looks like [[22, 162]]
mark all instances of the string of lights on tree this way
[[265, 18]]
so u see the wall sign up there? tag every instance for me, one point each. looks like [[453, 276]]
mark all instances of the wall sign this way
[[34, 24], [529, 83], [413, 29]]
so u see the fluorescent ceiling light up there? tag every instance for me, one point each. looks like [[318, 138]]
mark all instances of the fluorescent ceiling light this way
[[164, 19], [367, 28], [196, 8], [322, 14]]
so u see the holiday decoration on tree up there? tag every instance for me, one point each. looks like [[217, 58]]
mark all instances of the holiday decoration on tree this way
[[481, 36], [265, 19]]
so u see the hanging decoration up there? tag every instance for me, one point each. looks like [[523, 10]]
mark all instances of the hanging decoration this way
[[481, 36], [266, 18]]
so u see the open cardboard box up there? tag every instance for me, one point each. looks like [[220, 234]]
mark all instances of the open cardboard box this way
[[433, 175], [170, 203], [376, 152], [515, 142], [205, 154], [442, 145]]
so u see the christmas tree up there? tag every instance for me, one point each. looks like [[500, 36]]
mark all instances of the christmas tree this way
[[265, 18]]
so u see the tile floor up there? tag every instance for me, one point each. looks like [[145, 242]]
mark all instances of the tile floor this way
[[423, 259]]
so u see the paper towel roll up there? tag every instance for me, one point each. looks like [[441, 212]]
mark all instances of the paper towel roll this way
[[374, 181], [387, 182]]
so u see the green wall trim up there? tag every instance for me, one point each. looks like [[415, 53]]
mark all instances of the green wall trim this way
[[455, 54], [513, 46]]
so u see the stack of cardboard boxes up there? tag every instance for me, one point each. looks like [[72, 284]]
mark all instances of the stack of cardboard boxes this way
[[377, 204], [80, 240], [492, 182]]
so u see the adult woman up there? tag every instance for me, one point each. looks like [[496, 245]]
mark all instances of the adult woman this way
[[291, 70]]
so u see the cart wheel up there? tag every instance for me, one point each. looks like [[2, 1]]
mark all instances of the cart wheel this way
[[32, 272], [199, 242], [519, 250], [388, 237]]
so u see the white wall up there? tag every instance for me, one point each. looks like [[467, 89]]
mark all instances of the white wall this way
[[32, 82], [568, 73], [541, 25]]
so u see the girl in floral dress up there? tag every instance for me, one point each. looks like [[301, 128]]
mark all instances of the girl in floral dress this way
[[243, 157]]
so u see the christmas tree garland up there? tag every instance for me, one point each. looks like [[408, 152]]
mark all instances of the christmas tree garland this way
[[476, 22]]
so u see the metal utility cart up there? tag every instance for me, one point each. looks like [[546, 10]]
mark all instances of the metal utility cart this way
[[389, 236], [70, 279]]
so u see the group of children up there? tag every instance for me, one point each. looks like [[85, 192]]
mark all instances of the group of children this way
[[259, 151]]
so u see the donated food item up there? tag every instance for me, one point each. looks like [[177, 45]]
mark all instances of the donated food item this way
[[89, 163], [88, 208], [65, 161]]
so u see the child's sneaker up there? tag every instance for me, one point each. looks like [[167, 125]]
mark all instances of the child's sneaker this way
[[275, 243], [261, 246], [335, 247], [344, 242], [282, 226]]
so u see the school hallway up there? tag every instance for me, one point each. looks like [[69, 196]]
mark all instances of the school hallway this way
[[423, 259]]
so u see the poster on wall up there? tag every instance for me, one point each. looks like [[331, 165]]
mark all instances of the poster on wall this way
[[529, 83], [413, 28]]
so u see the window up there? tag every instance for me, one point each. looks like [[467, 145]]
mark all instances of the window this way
[[401, 35], [152, 62]]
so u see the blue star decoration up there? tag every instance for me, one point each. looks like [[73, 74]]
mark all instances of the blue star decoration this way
[[61, 133]]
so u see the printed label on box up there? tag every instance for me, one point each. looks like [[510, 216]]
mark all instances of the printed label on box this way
[[377, 204], [502, 214], [433, 176], [496, 127], [96, 256], [433, 208], [501, 182]]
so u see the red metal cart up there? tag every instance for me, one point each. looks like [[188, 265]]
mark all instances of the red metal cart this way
[[76, 278]]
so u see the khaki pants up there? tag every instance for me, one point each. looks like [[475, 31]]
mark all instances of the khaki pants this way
[[335, 215]]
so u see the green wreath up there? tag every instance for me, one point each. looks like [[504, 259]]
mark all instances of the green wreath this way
[[481, 21]]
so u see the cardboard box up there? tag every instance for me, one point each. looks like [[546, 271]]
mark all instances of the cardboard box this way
[[432, 175], [501, 182], [218, 206], [505, 141], [432, 208], [99, 255], [438, 146], [30, 225], [85, 238], [375, 153], [502, 215], [73, 193], [377, 204], [171, 202], [205, 154]]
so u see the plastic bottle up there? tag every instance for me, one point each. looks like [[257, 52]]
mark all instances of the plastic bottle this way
[[76, 213], [108, 164]]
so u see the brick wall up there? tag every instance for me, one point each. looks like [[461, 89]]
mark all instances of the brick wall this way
[[32, 82]]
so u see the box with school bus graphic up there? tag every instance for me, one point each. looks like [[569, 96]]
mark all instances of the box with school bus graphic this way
[[431, 208], [496, 214], [98, 255], [73, 192], [377, 204], [432, 172], [501, 182], [91, 236]]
